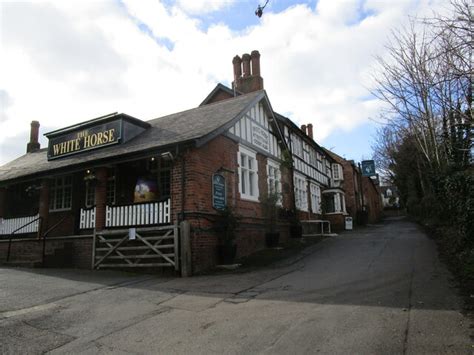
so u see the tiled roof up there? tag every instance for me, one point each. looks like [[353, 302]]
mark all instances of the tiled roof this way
[[187, 126]]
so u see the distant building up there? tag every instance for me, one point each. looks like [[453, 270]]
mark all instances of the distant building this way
[[390, 196], [363, 201]]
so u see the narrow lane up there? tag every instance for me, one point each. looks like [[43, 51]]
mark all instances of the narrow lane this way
[[380, 290]]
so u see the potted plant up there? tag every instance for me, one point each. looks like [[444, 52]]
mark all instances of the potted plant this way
[[270, 208], [225, 228]]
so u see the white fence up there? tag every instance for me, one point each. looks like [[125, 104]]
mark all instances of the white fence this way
[[10, 225], [138, 214], [87, 219]]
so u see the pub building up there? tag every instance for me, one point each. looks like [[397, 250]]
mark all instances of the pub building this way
[[117, 172]]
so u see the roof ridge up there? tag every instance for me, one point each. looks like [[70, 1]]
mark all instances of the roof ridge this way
[[213, 104]]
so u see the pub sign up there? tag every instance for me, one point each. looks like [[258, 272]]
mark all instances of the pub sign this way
[[84, 139], [368, 168], [218, 192]]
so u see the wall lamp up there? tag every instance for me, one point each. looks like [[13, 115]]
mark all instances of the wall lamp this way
[[167, 156]]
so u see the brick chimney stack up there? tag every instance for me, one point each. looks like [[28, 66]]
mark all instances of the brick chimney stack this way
[[237, 62], [310, 130], [303, 128], [33, 145], [246, 64], [255, 56], [247, 73]]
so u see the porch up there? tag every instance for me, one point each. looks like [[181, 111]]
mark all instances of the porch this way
[[132, 194]]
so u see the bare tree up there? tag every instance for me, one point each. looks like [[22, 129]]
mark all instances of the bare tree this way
[[426, 78]]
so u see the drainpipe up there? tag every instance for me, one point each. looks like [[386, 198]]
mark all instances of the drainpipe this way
[[183, 195]]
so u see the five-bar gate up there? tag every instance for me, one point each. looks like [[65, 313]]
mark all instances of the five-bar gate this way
[[136, 247]]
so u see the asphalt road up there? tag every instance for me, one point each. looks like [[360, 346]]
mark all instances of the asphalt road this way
[[380, 290]]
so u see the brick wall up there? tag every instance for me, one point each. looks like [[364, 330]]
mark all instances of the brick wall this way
[[372, 200], [337, 221], [219, 155], [351, 188], [61, 252]]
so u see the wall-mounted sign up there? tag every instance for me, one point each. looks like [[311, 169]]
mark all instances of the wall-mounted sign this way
[[85, 139], [145, 190], [368, 168], [218, 192], [260, 137]]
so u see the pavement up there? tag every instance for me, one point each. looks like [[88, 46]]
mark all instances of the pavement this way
[[377, 290]]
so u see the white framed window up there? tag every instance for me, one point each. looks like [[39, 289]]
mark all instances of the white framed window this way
[[248, 174], [61, 194], [274, 179], [297, 146], [301, 192], [315, 192], [337, 172], [337, 203]]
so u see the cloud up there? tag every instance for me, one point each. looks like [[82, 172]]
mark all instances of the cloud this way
[[199, 7], [5, 102], [64, 62]]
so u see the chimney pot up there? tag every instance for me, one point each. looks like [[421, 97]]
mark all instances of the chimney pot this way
[[255, 55], [303, 128], [310, 130], [246, 64], [33, 145], [237, 62]]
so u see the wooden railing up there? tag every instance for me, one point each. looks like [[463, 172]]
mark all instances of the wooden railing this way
[[141, 214], [87, 218], [138, 214], [21, 225]]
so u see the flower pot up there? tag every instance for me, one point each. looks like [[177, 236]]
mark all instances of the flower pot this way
[[272, 239], [226, 254]]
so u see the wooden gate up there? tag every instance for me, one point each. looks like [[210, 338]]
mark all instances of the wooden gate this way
[[136, 247]]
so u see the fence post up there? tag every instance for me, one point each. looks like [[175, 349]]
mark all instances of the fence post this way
[[93, 249], [186, 267]]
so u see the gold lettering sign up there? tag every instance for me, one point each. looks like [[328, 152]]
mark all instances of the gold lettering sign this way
[[90, 138]]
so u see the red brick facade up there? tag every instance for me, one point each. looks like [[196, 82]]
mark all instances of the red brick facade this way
[[372, 199], [220, 155], [60, 252], [363, 208]]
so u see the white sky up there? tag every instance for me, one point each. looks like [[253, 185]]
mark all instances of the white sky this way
[[63, 62]]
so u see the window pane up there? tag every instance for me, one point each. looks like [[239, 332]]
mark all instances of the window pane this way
[[251, 183], [111, 192], [59, 198], [242, 181]]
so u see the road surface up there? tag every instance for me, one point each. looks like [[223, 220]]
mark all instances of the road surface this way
[[379, 290]]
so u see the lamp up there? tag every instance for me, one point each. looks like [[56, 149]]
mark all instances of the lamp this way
[[167, 156]]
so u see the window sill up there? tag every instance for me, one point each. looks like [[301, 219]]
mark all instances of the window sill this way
[[249, 198], [61, 210]]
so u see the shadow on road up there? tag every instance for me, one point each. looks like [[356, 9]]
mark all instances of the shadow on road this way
[[392, 265]]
